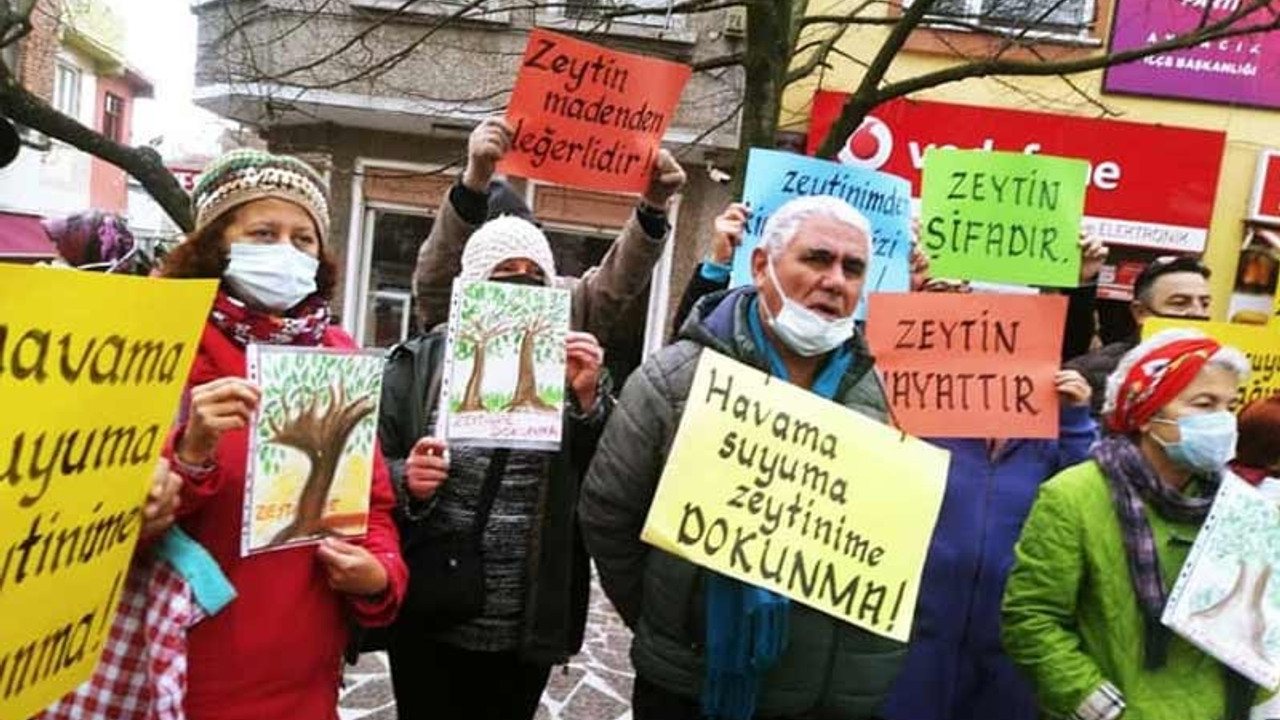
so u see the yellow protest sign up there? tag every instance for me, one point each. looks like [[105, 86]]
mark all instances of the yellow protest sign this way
[[91, 371], [782, 489], [1261, 343]]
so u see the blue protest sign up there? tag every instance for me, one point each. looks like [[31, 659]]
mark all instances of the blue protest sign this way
[[774, 177]]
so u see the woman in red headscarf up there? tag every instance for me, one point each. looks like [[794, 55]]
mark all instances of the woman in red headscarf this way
[[1106, 540]]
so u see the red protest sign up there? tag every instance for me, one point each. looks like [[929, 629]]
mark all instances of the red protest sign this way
[[589, 117], [975, 366]]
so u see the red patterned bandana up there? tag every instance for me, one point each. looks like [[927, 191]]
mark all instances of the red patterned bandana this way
[[1158, 378], [302, 325]]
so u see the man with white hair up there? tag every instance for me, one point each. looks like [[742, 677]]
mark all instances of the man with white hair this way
[[796, 323]]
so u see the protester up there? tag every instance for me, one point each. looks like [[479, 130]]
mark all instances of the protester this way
[[796, 323], [535, 567], [713, 273], [95, 240], [1106, 539], [171, 585], [261, 227], [603, 294], [955, 666], [1258, 451], [1176, 287]]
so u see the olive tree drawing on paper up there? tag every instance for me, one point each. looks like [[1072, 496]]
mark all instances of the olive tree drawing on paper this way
[[507, 362], [1232, 599], [320, 408], [483, 321]]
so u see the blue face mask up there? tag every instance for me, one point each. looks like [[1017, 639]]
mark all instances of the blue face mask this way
[[1208, 441]]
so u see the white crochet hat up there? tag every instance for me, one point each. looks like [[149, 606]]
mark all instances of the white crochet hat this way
[[502, 239]]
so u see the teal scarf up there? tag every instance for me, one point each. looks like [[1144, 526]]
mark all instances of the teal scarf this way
[[747, 625]]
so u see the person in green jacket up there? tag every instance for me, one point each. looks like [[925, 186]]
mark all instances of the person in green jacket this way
[[1106, 540]]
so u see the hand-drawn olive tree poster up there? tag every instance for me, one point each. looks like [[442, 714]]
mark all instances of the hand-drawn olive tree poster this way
[[504, 366], [1227, 600], [311, 445]]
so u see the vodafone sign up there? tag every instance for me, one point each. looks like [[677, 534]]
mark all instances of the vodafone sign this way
[[1150, 186]]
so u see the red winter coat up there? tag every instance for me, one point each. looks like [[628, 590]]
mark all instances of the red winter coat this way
[[276, 650]]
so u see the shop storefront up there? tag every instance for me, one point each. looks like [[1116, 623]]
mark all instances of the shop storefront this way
[[1144, 199]]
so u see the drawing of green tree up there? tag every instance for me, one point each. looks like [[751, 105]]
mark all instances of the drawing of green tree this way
[[540, 318], [1247, 537], [321, 405], [483, 321]]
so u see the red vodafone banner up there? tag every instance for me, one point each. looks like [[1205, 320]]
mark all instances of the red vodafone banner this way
[[1150, 186]]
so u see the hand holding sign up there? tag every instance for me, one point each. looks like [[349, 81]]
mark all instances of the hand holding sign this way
[[1073, 389], [665, 180], [1003, 217], [489, 142], [730, 226], [589, 117], [427, 467]]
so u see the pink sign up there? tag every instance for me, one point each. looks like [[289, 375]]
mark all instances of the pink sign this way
[[1239, 70]]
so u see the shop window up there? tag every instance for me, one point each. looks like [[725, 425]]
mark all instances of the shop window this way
[[113, 117], [388, 296], [1038, 18], [576, 252], [655, 11], [66, 90]]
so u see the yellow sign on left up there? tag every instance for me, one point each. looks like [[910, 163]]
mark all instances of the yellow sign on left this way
[[91, 371]]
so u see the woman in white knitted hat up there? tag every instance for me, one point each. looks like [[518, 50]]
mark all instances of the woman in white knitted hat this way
[[535, 573], [276, 651]]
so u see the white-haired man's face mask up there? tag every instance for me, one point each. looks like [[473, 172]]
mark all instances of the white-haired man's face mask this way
[[821, 270]]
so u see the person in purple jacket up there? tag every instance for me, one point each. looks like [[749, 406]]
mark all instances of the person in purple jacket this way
[[956, 668]]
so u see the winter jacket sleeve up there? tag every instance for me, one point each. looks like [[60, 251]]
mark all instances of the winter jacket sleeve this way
[[199, 484], [622, 275], [621, 482], [440, 257], [395, 418], [1039, 612], [383, 540], [1077, 432], [1081, 326], [699, 285]]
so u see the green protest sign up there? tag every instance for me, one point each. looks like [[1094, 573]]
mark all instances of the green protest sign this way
[[1003, 217]]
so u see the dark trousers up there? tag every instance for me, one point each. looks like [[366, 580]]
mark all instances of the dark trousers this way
[[435, 681]]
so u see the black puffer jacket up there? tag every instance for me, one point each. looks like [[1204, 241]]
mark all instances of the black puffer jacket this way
[[559, 574]]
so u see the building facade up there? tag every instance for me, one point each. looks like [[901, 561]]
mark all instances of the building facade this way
[[74, 60], [382, 97], [1179, 150]]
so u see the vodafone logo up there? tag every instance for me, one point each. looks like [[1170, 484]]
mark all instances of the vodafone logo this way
[[869, 146]]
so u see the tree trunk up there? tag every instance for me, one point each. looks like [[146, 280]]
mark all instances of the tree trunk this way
[[473, 400], [765, 67], [1240, 613], [526, 395], [322, 437], [315, 495]]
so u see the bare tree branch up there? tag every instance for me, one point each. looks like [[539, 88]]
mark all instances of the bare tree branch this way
[[870, 93], [144, 163]]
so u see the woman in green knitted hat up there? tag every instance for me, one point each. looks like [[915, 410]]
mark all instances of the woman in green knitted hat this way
[[261, 225]]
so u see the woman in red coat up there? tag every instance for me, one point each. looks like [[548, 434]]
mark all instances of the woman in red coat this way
[[276, 651]]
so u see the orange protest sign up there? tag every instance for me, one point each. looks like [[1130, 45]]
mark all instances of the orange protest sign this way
[[589, 117], [976, 366]]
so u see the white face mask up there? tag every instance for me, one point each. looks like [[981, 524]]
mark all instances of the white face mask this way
[[806, 332], [276, 277]]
